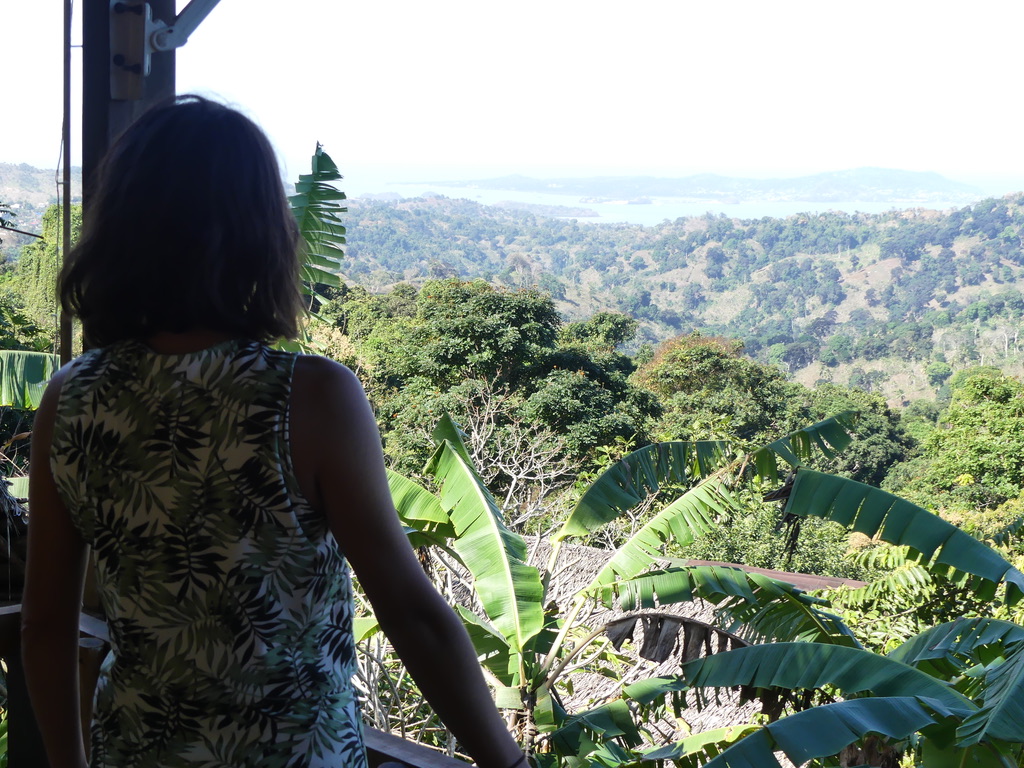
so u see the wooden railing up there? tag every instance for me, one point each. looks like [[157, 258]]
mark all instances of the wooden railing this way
[[25, 746]]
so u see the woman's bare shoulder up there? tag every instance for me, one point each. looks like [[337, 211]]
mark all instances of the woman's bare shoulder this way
[[322, 379], [328, 402]]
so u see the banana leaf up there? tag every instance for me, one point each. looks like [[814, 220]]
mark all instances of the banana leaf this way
[[824, 731], [829, 436], [1002, 713], [417, 507], [614, 720], [491, 647], [994, 649], [797, 666], [23, 377], [509, 590], [632, 479], [874, 512], [701, 747], [763, 607], [316, 207], [364, 627], [688, 517], [958, 641], [949, 756]]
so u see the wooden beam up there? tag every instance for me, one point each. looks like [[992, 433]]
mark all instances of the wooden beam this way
[[384, 748]]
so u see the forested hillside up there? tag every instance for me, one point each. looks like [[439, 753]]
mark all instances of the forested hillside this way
[[891, 302]]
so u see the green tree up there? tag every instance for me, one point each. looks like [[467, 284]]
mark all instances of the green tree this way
[[451, 345], [974, 461], [709, 389], [31, 286]]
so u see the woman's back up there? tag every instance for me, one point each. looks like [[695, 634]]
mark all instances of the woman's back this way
[[227, 598]]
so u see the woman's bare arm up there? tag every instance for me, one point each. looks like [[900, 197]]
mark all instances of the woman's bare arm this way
[[340, 465], [54, 576]]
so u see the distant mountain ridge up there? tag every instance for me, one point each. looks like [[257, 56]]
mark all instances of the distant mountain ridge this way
[[854, 185], [23, 183]]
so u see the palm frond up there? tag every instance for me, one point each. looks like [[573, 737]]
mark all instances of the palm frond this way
[[316, 206], [828, 436], [684, 520], [632, 479], [699, 748], [1002, 713], [809, 666], [418, 507]]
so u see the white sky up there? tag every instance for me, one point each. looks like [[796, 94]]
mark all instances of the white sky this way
[[549, 87]]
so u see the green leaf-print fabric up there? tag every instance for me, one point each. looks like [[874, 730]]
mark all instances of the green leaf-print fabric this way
[[228, 601]]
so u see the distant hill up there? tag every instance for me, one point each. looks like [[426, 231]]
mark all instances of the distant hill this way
[[29, 192], [857, 185], [23, 183], [892, 302]]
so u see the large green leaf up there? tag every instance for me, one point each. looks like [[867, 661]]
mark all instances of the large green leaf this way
[[631, 480], [824, 731], [688, 517], [491, 647], [828, 436], [757, 605], [316, 207], [418, 507], [613, 720], [1002, 712], [814, 665], [874, 512], [959, 642], [509, 590], [699, 748], [23, 377]]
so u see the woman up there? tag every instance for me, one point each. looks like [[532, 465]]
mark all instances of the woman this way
[[222, 486]]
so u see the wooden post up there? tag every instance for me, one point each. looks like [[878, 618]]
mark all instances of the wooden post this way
[[103, 118]]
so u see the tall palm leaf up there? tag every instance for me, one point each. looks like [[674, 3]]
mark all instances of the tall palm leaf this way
[[696, 511], [684, 520], [958, 642], [316, 207], [510, 591], [874, 512], [950, 650], [1002, 712]]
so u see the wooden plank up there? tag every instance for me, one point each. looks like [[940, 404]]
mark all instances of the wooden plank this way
[[384, 747]]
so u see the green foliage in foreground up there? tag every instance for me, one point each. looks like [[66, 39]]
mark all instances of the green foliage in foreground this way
[[963, 698]]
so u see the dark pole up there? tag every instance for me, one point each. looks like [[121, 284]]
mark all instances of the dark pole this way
[[64, 345]]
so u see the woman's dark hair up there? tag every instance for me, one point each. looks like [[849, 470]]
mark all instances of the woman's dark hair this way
[[188, 228]]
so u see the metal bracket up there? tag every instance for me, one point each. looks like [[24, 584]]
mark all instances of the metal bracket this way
[[135, 36], [167, 38]]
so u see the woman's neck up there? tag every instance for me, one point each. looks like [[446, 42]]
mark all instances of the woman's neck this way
[[168, 343]]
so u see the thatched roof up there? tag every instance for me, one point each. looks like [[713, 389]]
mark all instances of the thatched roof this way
[[662, 639]]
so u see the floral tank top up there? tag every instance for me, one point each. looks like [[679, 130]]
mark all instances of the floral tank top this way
[[228, 601]]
